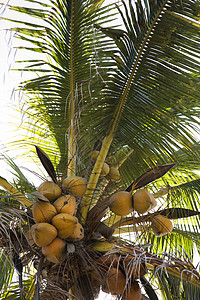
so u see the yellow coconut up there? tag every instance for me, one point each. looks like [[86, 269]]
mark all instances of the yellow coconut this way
[[66, 204], [43, 233], [78, 233], [93, 155], [54, 251], [133, 268], [43, 212], [75, 185], [65, 224], [113, 174], [105, 169], [115, 282], [143, 201], [161, 225], [134, 292], [121, 203], [50, 190]]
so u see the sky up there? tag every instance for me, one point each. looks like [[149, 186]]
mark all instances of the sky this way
[[8, 81], [10, 118]]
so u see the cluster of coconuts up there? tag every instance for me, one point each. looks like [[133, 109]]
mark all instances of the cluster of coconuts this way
[[55, 221], [117, 270], [142, 201], [109, 172]]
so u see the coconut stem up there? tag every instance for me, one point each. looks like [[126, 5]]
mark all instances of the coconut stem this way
[[106, 182], [132, 221], [162, 192], [88, 199], [118, 165]]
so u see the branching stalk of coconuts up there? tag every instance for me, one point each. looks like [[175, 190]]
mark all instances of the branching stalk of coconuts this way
[[162, 192], [118, 164], [106, 182], [104, 185], [126, 229], [132, 221], [88, 198]]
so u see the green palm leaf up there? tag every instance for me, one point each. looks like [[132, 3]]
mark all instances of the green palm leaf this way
[[67, 42], [145, 106], [6, 272]]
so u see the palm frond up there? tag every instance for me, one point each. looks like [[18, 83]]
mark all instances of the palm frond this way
[[21, 182], [6, 272], [14, 292], [70, 61], [175, 288], [149, 105]]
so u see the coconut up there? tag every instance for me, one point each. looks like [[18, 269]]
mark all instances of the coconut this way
[[143, 201], [65, 224], [54, 251], [105, 169], [134, 292], [161, 225], [93, 155], [66, 204], [107, 261], [43, 233], [50, 190], [75, 185], [115, 282], [121, 203], [133, 268], [113, 174], [43, 212], [78, 233]]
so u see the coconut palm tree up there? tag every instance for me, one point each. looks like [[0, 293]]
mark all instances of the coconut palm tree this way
[[113, 100]]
